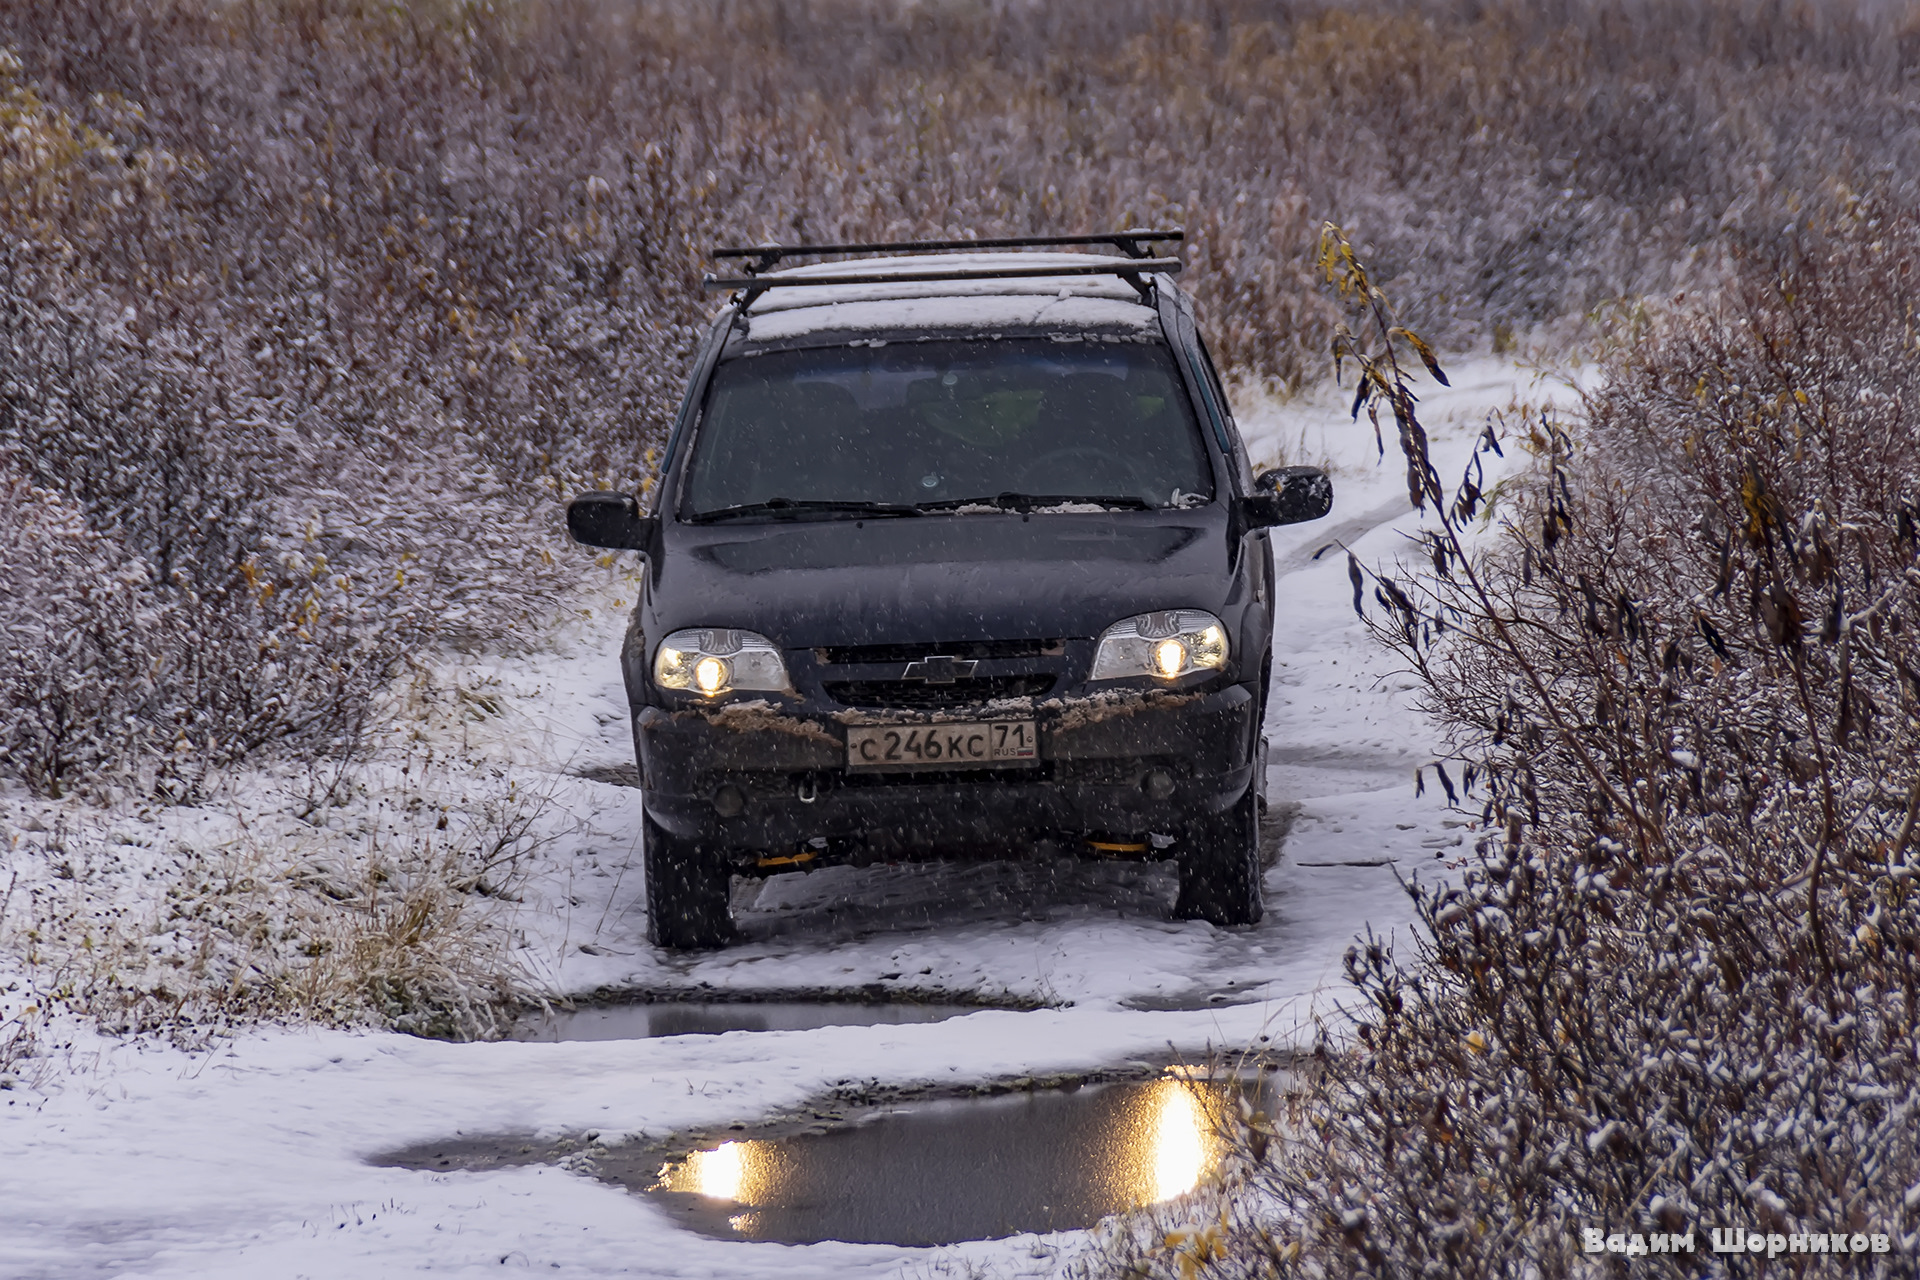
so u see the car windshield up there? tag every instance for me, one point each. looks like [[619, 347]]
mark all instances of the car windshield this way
[[898, 428]]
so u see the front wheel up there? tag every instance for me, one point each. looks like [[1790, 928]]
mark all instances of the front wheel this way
[[687, 891], [1220, 867]]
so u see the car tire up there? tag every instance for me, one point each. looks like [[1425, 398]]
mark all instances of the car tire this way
[[687, 893], [1220, 867]]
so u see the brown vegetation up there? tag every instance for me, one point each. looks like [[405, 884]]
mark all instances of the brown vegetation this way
[[310, 310], [314, 305]]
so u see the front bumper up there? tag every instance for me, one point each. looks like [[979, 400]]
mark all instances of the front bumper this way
[[760, 779]]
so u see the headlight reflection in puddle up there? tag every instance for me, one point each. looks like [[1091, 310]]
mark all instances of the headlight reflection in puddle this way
[[731, 1171], [720, 1172], [1050, 1160], [1181, 1146]]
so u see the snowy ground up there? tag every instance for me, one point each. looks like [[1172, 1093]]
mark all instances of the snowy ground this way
[[136, 1159]]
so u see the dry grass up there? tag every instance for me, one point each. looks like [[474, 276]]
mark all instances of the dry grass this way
[[381, 906]]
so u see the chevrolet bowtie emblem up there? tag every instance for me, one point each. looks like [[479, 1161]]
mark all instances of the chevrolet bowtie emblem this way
[[939, 668]]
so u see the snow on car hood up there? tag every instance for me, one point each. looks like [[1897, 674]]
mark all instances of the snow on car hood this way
[[975, 577]]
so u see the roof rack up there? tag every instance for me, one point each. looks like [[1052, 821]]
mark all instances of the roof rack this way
[[1131, 242]]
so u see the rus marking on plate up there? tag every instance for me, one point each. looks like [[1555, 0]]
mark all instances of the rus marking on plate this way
[[939, 668], [942, 746]]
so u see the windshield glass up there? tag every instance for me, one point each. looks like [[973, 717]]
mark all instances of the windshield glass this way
[[945, 423]]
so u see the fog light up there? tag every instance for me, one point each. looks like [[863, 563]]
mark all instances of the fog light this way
[[1158, 784], [728, 801]]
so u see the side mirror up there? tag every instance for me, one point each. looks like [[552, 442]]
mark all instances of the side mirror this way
[[610, 520], [1288, 495]]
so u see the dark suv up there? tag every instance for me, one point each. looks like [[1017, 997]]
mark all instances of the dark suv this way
[[956, 553]]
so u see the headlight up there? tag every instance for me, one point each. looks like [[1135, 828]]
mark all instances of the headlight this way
[[1165, 645], [712, 661]]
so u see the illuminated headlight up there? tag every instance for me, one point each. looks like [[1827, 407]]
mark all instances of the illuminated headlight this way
[[713, 661], [1164, 645]]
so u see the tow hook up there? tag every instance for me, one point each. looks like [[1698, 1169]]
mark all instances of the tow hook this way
[[808, 791]]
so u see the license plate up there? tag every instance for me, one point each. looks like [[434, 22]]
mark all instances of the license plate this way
[[942, 746]]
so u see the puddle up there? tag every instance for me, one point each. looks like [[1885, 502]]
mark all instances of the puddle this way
[[917, 1173], [675, 1018], [1230, 996], [967, 1169], [1352, 862]]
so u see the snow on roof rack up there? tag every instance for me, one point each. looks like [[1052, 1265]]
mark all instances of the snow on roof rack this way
[[1131, 242], [1128, 269]]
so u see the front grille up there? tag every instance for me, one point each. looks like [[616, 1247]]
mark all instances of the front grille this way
[[988, 650], [917, 694]]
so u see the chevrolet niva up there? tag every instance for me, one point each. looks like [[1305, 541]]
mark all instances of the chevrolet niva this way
[[951, 553]]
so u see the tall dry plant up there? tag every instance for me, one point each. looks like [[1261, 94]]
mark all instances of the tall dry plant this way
[[1675, 988]]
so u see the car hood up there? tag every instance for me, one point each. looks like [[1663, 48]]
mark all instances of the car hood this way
[[938, 578]]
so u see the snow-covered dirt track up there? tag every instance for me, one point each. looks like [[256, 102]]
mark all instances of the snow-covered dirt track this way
[[137, 1159]]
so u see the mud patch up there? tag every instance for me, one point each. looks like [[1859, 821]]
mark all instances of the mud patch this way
[[1110, 704], [1248, 991], [1276, 824], [616, 775], [640, 1020], [760, 715]]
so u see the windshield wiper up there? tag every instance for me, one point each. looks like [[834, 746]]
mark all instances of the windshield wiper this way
[[1011, 501], [804, 506]]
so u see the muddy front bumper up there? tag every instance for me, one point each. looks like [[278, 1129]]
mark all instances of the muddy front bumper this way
[[759, 779]]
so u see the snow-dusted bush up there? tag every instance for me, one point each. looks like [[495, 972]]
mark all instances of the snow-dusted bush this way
[[312, 309], [198, 564], [189, 582], [79, 613], [1676, 989]]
